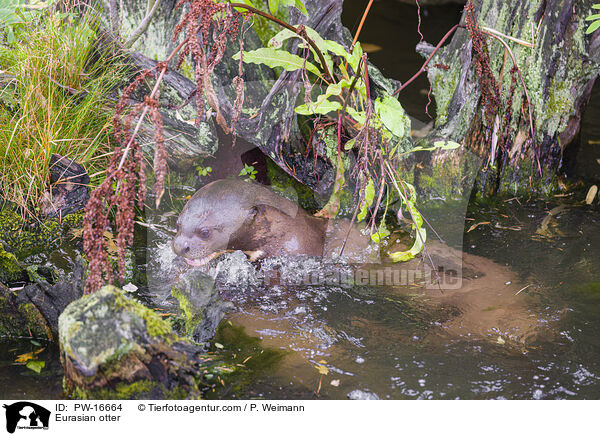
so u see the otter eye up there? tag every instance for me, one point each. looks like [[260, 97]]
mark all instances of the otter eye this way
[[204, 233]]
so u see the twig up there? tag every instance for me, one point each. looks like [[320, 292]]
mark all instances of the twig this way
[[137, 33], [152, 95], [423, 67], [523, 289], [360, 26], [489, 31], [113, 12]]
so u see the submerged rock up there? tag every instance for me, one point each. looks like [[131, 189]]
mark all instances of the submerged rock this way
[[115, 347], [200, 304]]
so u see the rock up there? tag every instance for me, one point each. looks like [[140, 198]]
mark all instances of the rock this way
[[69, 188], [114, 347], [200, 304]]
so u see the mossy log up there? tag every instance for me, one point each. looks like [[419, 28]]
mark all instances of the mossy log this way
[[33, 310], [553, 83]]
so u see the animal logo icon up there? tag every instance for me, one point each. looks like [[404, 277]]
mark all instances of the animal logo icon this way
[[27, 415]]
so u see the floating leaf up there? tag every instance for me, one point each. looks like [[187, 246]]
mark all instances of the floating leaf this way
[[474, 226], [323, 370], [219, 346], [591, 195], [22, 358], [36, 365]]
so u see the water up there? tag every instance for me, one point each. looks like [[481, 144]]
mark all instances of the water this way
[[482, 342], [524, 325]]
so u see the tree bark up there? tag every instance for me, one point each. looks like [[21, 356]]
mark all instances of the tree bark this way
[[552, 86]]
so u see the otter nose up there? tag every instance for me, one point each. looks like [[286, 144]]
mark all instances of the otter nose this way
[[180, 247]]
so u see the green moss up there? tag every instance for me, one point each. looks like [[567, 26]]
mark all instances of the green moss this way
[[192, 318], [444, 85], [122, 391], [155, 325], [283, 184], [10, 268], [25, 239]]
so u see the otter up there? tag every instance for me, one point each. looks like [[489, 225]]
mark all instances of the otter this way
[[233, 214]]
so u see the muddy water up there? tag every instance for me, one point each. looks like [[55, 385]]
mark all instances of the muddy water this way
[[524, 325]]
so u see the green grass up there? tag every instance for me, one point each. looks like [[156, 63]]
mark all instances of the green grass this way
[[54, 98]]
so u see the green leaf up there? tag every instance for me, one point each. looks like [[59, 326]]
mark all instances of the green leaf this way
[[391, 113], [381, 234], [594, 26], [301, 7], [36, 365], [359, 116], [355, 57], [349, 144], [443, 145], [403, 256], [273, 6], [285, 34], [325, 46], [246, 2], [593, 17], [597, 6], [278, 58], [295, 3], [323, 105], [368, 201], [409, 199]]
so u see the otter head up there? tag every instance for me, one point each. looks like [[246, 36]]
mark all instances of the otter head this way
[[214, 214]]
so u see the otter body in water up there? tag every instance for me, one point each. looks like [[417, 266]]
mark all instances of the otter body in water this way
[[243, 215]]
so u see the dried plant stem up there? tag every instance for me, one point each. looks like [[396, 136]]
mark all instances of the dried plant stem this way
[[529, 108], [163, 71]]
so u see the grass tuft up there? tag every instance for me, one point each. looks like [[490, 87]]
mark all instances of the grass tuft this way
[[54, 98]]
